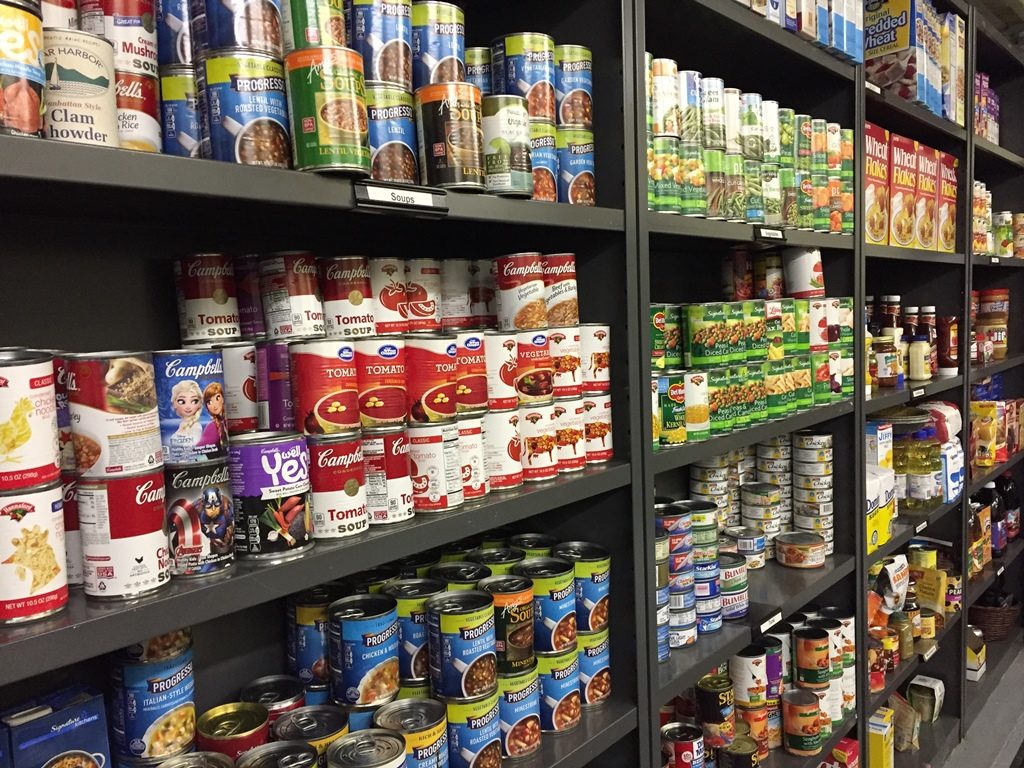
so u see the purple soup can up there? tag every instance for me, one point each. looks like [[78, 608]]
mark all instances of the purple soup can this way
[[773, 664], [270, 484], [250, 301], [190, 400], [274, 387]]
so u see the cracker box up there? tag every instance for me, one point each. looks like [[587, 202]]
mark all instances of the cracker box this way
[[881, 739], [69, 725], [926, 212], [902, 191], [845, 754], [895, 48], [876, 184], [947, 189]]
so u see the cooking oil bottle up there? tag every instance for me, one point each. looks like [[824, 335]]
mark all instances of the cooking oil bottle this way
[[924, 460]]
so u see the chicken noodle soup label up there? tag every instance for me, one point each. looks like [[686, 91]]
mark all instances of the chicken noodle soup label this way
[[364, 651], [35, 579]]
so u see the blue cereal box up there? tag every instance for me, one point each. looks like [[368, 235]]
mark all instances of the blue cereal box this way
[[837, 25], [823, 23], [68, 727], [895, 50]]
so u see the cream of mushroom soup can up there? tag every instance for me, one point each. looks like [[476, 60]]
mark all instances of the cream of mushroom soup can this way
[[81, 103], [435, 466], [539, 442], [472, 461], [503, 449], [570, 431]]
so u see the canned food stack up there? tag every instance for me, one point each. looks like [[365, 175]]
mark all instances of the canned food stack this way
[[678, 599], [761, 509], [812, 477], [706, 570], [714, 481], [775, 467], [661, 588]]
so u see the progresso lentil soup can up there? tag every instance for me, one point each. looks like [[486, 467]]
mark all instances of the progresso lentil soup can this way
[[381, 30], [438, 43], [363, 632], [474, 732], [519, 709], [576, 179], [593, 568], [327, 99], [179, 112], [554, 602], [451, 151], [309, 23], [574, 86], [411, 595], [523, 64], [460, 631], [254, 25], [506, 126], [424, 724], [392, 133]]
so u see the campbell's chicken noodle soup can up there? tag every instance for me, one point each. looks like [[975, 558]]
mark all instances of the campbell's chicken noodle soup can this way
[[472, 461], [114, 421], [520, 292], [138, 112], [423, 294], [503, 449], [325, 387], [35, 583], [534, 374], [539, 443], [431, 377], [560, 290], [597, 427], [30, 452], [483, 293], [566, 361], [595, 343], [338, 485], [569, 435], [387, 285], [200, 518], [274, 405], [250, 300], [347, 296], [191, 404], [501, 351], [240, 386], [124, 540], [381, 377], [388, 474], [207, 298], [456, 286], [290, 290], [72, 531], [471, 371], [60, 389], [436, 466]]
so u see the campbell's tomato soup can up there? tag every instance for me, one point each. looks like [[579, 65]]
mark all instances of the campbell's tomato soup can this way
[[595, 342], [207, 298], [347, 296], [435, 465], [325, 388], [138, 111], [598, 426], [60, 390], [540, 448], [290, 290], [534, 374], [72, 531], [388, 474], [502, 357], [34, 582], [124, 541], [431, 362], [519, 284], [114, 421], [560, 290], [483, 294], [569, 435], [190, 400], [247, 290], [240, 386], [423, 294], [275, 408], [380, 376], [472, 460], [503, 449], [130, 25], [387, 284], [566, 355], [30, 454], [471, 372], [338, 481], [456, 293], [200, 518]]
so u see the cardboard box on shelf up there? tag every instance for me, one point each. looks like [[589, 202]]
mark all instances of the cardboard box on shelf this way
[[881, 739], [927, 695], [878, 444]]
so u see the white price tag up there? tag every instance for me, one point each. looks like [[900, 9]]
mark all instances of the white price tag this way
[[770, 622], [410, 197], [930, 652], [921, 526], [872, 87], [918, 392], [769, 233], [993, 260], [1000, 571]]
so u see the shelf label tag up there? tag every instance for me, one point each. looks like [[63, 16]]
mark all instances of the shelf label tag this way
[[930, 652], [772, 234], [770, 622], [872, 87], [1000, 571], [918, 393], [921, 526], [422, 199], [993, 259]]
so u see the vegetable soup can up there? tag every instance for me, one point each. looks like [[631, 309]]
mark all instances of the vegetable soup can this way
[[693, 181], [713, 113]]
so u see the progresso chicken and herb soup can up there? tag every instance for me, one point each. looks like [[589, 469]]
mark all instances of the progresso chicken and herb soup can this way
[[363, 631], [451, 145], [392, 133]]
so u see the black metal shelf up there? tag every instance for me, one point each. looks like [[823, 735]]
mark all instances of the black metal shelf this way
[[996, 262], [1000, 155], [908, 526], [660, 224], [991, 473], [918, 122], [911, 390], [88, 628], [780, 758], [979, 372], [977, 586], [936, 740], [599, 729], [999, 655], [778, 590], [911, 254], [687, 665]]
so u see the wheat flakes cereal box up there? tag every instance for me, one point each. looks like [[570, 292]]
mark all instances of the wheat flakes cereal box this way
[[902, 191], [947, 188], [926, 218], [876, 184]]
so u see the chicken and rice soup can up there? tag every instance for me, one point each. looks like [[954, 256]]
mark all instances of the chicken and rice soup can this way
[[363, 633]]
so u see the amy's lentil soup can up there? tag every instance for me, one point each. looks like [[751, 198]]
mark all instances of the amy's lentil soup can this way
[[363, 633], [506, 127], [593, 569], [474, 732], [411, 595], [179, 112], [392, 133], [424, 724], [576, 176], [554, 603], [449, 120], [513, 620], [460, 631], [523, 64], [519, 710], [544, 160], [574, 86], [318, 725], [309, 23], [438, 43], [559, 674]]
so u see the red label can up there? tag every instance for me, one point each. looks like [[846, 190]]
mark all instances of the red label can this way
[[423, 294], [598, 426], [534, 372], [388, 474], [566, 354], [34, 583], [471, 372], [569, 429], [247, 288], [483, 294], [72, 531], [290, 290], [60, 388], [471, 456], [387, 284], [348, 298], [207, 304], [503, 449], [436, 468], [456, 289], [240, 386], [325, 388], [338, 485], [519, 280], [431, 380], [501, 352], [31, 454], [537, 427], [274, 406], [233, 729], [560, 290], [138, 111], [380, 375], [595, 343], [124, 547]]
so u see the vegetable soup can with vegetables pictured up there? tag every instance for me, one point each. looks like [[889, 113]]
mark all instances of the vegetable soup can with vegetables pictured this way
[[574, 86], [554, 602], [576, 175], [423, 724], [382, 32], [451, 144], [663, 92], [544, 160], [523, 64], [693, 180], [461, 642], [560, 706], [506, 126], [392, 133], [474, 731], [438, 43], [363, 632]]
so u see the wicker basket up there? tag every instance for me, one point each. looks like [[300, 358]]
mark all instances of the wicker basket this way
[[996, 623]]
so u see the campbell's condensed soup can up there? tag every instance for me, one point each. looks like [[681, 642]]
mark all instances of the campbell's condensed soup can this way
[[597, 417], [431, 362], [200, 518], [207, 299], [247, 288], [191, 403], [338, 485], [456, 293], [503, 449], [28, 406], [566, 361], [347, 296], [34, 582], [138, 112], [501, 352], [60, 388], [387, 283], [560, 290], [275, 408], [471, 371], [240, 386], [60, 14], [130, 25], [540, 446], [472, 460], [484, 293], [290, 291], [388, 474], [436, 466], [72, 531], [595, 343], [124, 541], [423, 294], [534, 374], [114, 421], [519, 285], [380, 374], [325, 390], [569, 435]]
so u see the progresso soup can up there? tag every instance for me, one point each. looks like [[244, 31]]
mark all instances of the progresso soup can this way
[[523, 64], [559, 674], [506, 127], [544, 160], [594, 652], [576, 179], [460, 631], [200, 518], [424, 724], [392, 133], [449, 120], [251, 25], [554, 602], [306, 640], [592, 579], [369, 748], [318, 725], [478, 69], [438, 43], [411, 595], [574, 86], [381, 30], [179, 111], [173, 32], [363, 632], [474, 732]]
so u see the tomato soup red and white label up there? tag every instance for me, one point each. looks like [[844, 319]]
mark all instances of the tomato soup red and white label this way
[[33, 566], [124, 547], [519, 280], [569, 431], [435, 465], [501, 351], [347, 296], [128, 25], [456, 293], [598, 427], [471, 457], [534, 374], [471, 372], [560, 289], [30, 452], [325, 388], [338, 486], [207, 303], [240, 387], [483, 294], [387, 283], [380, 375], [423, 294], [388, 474], [595, 342], [503, 449], [431, 378], [290, 290], [540, 447], [72, 531], [566, 361]]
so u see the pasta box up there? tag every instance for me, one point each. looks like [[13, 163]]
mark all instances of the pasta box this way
[[896, 47], [876, 184], [68, 727], [902, 191], [926, 218]]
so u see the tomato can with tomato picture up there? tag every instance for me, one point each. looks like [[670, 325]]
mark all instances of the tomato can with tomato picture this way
[[347, 296], [423, 294], [471, 371], [503, 449], [569, 435], [597, 427], [472, 460], [325, 388], [534, 373], [501, 351], [566, 361], [387, 285], [388, 474], [337, 480], [240, 399], [436, 469], [538, 432], [432, 377], [554, 602], [380, 375]]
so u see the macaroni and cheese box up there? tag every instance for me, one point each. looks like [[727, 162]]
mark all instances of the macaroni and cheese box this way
[[946, 241], [876, 184], [926, 213], [69, 725], [895, 48], [902, 191]]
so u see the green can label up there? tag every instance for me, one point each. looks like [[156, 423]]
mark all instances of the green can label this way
[[658, 313], [759, 407], [846, 189], [714, 172], [822, 383], [506, 126], [822, 202], [846, 320], [787, 131], [789, 387], [787, 185], [835, 370], [718, 395], [789, 336], [819, 145], [666, 174], [803, 378], [771, 191], [740, 397], [693, 191], [698, 414], [650, 169], [672, 407], [736, 330], [846, 367], [803, 324], [707, 342], [673, 336], [802, 147], [755, 334], [312, 23], [734, 206], [775, 384], [804, 200], [754, 195]]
